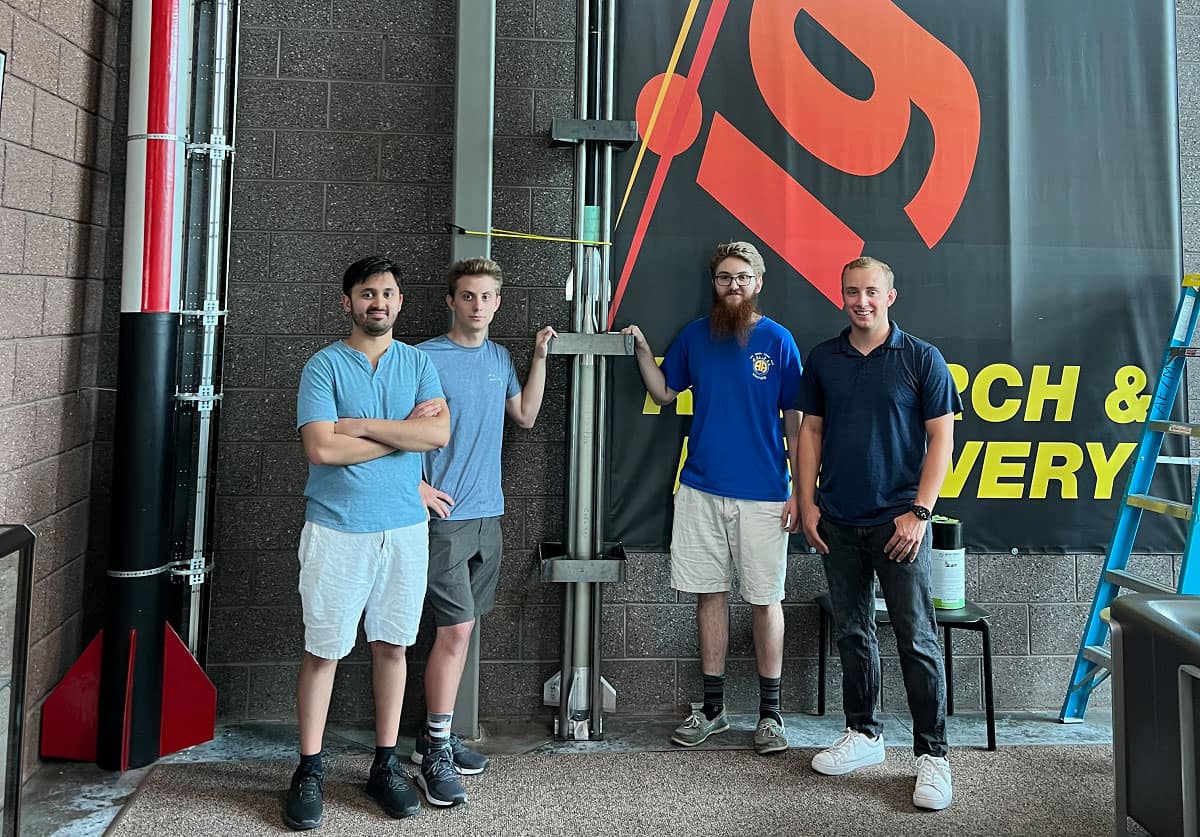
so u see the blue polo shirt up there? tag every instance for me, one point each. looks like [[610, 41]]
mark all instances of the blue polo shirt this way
[[339, 382], [735, 448], [874, 409]]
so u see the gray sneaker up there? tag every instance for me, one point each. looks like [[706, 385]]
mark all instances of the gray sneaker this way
[[696, 728], [769, 737]]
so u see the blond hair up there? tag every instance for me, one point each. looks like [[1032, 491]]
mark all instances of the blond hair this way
[[743, 250], [869, 262]]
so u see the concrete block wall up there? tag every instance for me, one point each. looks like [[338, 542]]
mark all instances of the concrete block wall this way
[[56, 122], [338, 158], [345, 125]]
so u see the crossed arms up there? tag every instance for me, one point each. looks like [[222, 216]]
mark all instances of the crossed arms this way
[[349, 441]]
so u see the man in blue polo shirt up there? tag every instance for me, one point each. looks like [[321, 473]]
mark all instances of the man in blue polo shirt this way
[[733, 506], [878, 431], [367, 407]]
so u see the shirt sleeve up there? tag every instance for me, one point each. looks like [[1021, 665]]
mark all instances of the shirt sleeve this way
[[810, 398], [513, 382], [429, 385], [316, 399], [939, 394], [792, 372], [675, 364]]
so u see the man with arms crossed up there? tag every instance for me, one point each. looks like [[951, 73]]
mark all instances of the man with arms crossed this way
[[465, 541], [878, 431], [732, 506], [367, 407]]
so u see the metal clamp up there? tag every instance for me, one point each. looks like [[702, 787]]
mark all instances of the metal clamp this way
[[171, 137], [194, 570], [205, 399], [138, 573]]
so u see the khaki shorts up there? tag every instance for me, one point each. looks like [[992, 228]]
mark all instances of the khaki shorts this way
[[343, 574], [711, 535]]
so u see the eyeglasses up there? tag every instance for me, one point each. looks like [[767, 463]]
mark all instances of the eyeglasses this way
[[742, 279]]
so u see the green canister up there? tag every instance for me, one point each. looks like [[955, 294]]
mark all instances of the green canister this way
[[948, 572]]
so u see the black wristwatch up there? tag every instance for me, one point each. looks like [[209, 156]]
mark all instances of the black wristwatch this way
[[921, 512]]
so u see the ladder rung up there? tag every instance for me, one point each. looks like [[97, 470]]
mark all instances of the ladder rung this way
[[1099, 655], [1137, 583], [1184, 351], [1174, 428], [1179, 460], [1159, 506]]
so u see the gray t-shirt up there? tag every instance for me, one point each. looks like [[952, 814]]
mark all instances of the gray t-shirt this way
[[477, 382]]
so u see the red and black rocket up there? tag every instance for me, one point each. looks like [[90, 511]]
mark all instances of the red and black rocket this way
[[137, 693]]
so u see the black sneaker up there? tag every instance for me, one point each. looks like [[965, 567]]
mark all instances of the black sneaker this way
[[389, 786], [439, 780], [302, 810], [466, 761]]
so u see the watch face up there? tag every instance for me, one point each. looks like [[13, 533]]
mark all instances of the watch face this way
[[921, 512]]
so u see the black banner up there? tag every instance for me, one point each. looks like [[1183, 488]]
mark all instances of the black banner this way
[[1015, 163]]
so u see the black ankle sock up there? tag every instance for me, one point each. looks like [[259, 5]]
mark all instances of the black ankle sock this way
[[768, 700], [382, 754], [714, 695], [313, 762]]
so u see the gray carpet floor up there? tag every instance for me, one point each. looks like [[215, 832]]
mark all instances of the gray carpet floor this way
[[1058, 790]]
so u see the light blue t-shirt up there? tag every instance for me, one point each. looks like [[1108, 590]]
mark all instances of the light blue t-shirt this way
[[477, 382], [735, 448], [338, 382]]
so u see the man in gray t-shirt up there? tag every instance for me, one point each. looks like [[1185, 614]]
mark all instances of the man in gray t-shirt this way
[[462, 491]]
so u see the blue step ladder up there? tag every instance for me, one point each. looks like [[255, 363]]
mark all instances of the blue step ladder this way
[[1093, 663]]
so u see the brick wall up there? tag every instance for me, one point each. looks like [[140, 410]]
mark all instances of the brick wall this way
[[55, 134]]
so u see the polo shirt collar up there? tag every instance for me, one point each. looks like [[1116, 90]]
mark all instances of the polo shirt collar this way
[[895, 339]]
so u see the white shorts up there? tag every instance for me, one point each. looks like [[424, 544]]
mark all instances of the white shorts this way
[[344, 573], [712, 534]]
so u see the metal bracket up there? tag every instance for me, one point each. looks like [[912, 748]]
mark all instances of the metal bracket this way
[[205, 399], [217, 150], [193, 570], [208, 315], [609, 343], [570, 570], [617, 132]]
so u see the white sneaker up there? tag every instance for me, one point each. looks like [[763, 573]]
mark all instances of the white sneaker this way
[[934, 789], [850, 752]]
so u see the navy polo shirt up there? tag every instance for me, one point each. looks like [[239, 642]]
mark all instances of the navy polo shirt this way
[[874, 409]]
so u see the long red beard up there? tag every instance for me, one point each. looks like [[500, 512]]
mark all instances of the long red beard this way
[[727, 320]]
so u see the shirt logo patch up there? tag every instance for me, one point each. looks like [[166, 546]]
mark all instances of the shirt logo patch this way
[[760, 365], [493, 378]]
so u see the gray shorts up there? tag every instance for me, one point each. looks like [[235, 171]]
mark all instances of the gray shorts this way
[[464, 567]]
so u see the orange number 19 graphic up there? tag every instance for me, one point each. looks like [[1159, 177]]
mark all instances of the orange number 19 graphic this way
[[856, 136]]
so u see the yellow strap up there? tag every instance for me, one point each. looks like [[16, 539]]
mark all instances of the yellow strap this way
[[1192, 280], [498, 233]]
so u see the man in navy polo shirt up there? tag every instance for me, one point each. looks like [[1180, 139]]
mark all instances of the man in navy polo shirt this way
[[878, 431], [732, 507]]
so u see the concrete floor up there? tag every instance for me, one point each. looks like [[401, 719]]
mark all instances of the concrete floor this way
[[80, 800]]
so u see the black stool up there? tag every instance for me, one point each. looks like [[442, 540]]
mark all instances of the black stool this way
[[970, 617]]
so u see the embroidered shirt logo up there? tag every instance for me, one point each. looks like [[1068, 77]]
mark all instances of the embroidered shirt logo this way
[[760, 365]]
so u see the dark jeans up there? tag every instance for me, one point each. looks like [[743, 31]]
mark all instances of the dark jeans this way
[[855, 555]]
